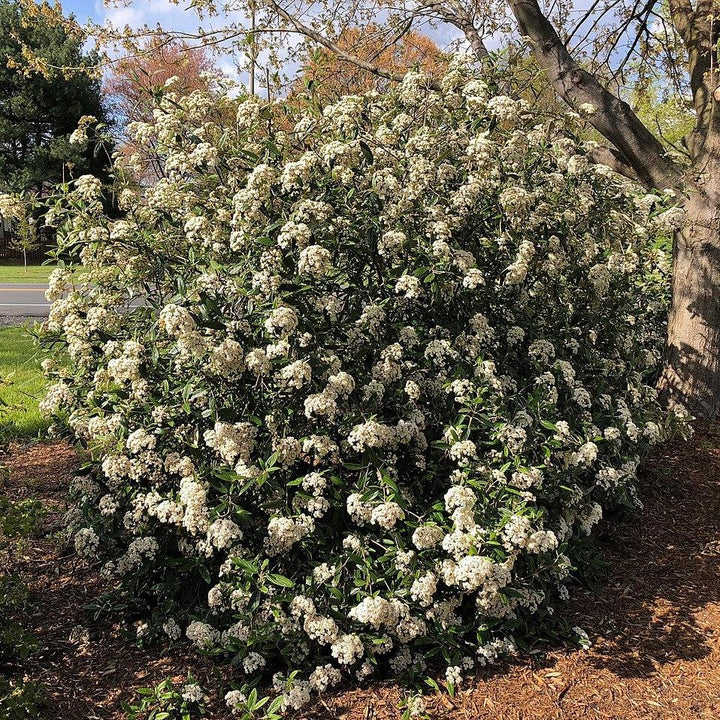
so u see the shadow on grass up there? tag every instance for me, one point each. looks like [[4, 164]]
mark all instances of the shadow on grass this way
[[28, 429], [22, 386]]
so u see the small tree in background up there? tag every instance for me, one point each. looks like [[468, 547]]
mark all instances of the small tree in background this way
[[135, 80], [18, 211], [25, 239]]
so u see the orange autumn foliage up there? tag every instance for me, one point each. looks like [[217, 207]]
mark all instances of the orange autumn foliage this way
[[135, 79], [332, 77], [131, 90]]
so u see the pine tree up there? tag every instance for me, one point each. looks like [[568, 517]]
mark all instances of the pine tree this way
[[39, 110]]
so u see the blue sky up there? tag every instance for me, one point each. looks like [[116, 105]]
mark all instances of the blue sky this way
[[137, 13], [134, 13], [83, 10]]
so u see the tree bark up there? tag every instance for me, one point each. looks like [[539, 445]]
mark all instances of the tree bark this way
[[614, 118], [691, 374]]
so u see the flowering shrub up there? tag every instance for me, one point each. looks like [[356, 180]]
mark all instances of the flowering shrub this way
[[166, 701], [357, 383]]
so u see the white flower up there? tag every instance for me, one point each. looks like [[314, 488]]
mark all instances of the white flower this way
[[412, 389], [463, 451], [223, 533], [193, 693], [88, 187], [201, 634], [254, 661], [586, 454], [391, 243], [387, 515], [282, 321], [427, 536], [235, 700], [409, 286], [347, 649], [86, 542], [315, 260], [324, 677], [296, 374], [284, 532]]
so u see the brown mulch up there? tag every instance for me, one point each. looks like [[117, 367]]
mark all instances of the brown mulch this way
[[654, 622], [86, 668]]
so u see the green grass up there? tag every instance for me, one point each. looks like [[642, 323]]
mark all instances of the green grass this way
[[20, 367], [12, 272]]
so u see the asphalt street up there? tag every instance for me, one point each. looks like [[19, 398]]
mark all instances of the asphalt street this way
[[23, 300]]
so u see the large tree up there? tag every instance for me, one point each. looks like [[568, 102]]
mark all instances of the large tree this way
[[40, 107]]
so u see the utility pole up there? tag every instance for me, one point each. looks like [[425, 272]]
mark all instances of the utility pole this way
[[251, 83]]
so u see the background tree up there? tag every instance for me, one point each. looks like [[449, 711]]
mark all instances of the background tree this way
[[20, 211], [39, 110], [135, 80], [25, 238], [332, 76]]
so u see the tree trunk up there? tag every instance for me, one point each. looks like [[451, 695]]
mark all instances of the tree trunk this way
[[691, 375]]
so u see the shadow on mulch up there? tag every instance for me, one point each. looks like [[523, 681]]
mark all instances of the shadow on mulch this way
[[655, 620], [664, 564]]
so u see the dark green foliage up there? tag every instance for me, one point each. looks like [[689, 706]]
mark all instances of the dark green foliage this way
[[165, 701], [20, 700], [38, 113], [16, 643]]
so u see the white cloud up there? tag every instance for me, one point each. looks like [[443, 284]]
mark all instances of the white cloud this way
[[138, 13]]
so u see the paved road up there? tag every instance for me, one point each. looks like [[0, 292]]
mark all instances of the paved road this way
[[23, 300]]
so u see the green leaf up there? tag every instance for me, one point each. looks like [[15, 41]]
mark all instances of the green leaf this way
[[204, 573], [280, 580], [275, 705], [432, 683], [367, 152]]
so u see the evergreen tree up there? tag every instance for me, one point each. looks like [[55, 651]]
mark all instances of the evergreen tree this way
[[39, 110]]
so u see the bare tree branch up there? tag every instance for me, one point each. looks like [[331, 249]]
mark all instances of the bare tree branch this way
[[614, 118], [455, 13], [333, 47], [643, 16], [601, 155]]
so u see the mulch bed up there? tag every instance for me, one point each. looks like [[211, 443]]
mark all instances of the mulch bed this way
[[654, 623]]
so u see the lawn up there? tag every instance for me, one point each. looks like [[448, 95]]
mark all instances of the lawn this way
[[12, 272], [20, 367], [16, 273]]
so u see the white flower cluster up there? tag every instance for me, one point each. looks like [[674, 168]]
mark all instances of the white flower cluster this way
[[365, 396]]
